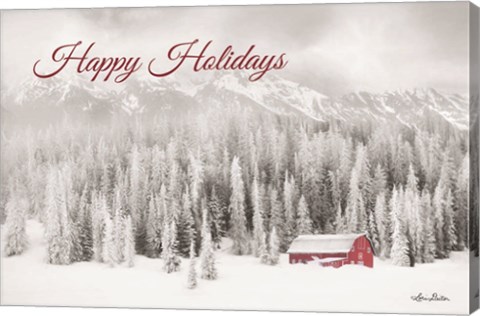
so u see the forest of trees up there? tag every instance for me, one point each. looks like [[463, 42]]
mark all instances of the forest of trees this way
[[172, 188]]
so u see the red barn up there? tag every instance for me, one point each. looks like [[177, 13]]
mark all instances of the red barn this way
[[332, 250]]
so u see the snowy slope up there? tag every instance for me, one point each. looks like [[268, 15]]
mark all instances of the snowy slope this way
[[271, 93], [243, 283]]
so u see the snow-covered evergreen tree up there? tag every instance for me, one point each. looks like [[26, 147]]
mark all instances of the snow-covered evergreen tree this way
[[339, 220], [274, 247], [192, 272], [428, 251], [449, 216], [57, 228], [258, 225], [207, 256], [171, 262], [263, 249], [412, 213], [344, 170], [109, 245], [153, 245], [185, 225], [217, 218], [118, 229], [382, 225], [129, 245], [196, 171], [399, 253], [439, 220], [278, 219], [86, 226], [356, 212], [363, 184], [379, 181], [238, 230], [16, 237], [373, 231], [461, 202], [100, 211], [290, 212], [335, 194], [304, 222], [135, 186]]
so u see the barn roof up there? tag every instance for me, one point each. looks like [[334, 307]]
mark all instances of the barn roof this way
[[340, 243]]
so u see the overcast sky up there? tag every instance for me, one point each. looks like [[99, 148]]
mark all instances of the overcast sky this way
[[333, 48]]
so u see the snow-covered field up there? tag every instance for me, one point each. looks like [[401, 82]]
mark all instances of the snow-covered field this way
[[243, 283]]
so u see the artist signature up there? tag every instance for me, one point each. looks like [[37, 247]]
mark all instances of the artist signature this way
[[434, 297]]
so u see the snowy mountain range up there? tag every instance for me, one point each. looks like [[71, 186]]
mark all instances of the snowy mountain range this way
[[272, 93]]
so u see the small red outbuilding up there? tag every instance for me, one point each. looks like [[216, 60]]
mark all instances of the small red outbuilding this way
[[332, 250]]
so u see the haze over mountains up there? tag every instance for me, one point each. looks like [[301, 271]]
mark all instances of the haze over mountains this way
[[46, 99]]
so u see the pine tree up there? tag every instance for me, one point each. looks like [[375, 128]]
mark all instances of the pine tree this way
[[129, 245], [118, 229], [69, 215], [449, 228], [304, 223], [258, 225], [185, 225], [135, 183], [174, 196], [196, 171], [288, 202], [100, 210], [207, 256], [439, 221], [312, 173], [153, 245], [263, 250], [461, 203], [238, 230], [412, 212], [447, 172], [278, 219], [345, 169], [171, 262], [339, 220], [109, 246], [274, 254], [364, 186], [16, 238], [86, 226], [399, 253], [192, 273], [57, 229], [382, 226], [356, 213], [428, 251], [217, 216], [379, 181], [373, 231], [76, 252]]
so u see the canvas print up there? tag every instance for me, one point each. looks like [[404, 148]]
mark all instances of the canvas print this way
[[281, 157]]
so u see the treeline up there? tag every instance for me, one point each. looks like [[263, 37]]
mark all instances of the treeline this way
[[107, 192]]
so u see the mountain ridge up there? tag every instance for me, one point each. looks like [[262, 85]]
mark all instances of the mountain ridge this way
[[272, 93]]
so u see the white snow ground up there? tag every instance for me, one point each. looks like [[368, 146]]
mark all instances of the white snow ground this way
[[243, 283]]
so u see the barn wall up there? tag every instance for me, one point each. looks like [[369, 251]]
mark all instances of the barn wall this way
[[361, 253], [304, 257]]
